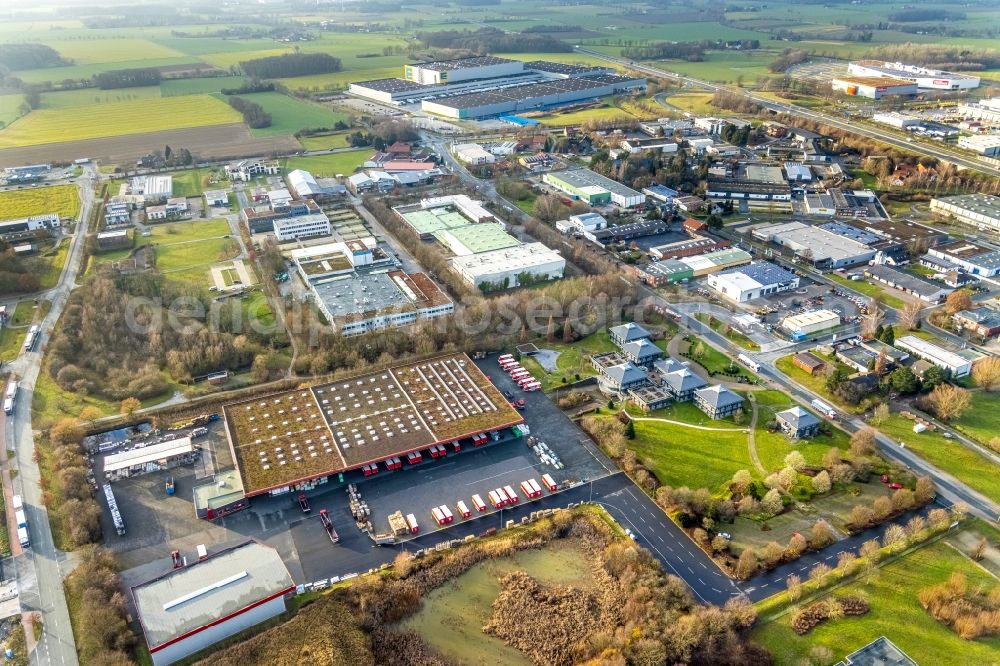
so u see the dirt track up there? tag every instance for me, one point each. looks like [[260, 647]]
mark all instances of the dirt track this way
[[215, 142]]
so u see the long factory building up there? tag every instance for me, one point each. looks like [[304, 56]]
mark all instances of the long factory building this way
[[485, 86], [924, 77]]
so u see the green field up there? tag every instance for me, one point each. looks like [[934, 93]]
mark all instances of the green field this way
[[71, 99], [715, 362], [329, 165], [55, 259], [10, 108], [324, 141], [725, 66], [981, 420], [696, 103], [61, 199], [895, 613], [683, 456], [185, 251], [948, 455], [605, 111], [116, 119], [289, 115], [773, 447], [79, 72], [194, 182], [201, 86], [94, 51]]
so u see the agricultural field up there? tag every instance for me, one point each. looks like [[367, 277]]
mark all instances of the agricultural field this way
[[61, 199], [200, 86], [93, 51], [324, 141], [328, 166], [895, 613], [71, 99], [724, 66], [289, 115], [81, 72], [117, 119], [10, 108]]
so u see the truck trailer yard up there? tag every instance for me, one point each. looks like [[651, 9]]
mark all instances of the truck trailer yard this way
[[157, 523]]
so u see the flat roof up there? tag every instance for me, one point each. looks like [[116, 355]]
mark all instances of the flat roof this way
[[823, 244], [981, 204], [932, 352], [429, 220], [762, 272], [460, 63], [526, 91], [476, 238], [519, 257], [795, 322], [875, 81], [192, 598], [391, 85], [147, 454], [303, 434], [909, 281], [971, 252], [763, 173], [581, 178], [561, 68]]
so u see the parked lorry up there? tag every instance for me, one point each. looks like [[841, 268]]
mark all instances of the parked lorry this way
[[324, 517], [304, 503]]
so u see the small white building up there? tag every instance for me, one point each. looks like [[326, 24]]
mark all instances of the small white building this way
[[580, 224], [804, 324], [154, 189], [474, 154], [958, 363], [897, 120], [188, 609], [217, 198], [755, 280], [246, 170]]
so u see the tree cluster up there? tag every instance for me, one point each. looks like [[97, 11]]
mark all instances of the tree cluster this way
[[921, 15], [291, 64], [253, 113], [787, 58], [384, 134], [69, 491], [971, 612], [491, 40], [250, 87], [882, 509], [127, 78], [806, 619], [613, 436], [18, 274], [121, 332], [102, 632], [29, 56]]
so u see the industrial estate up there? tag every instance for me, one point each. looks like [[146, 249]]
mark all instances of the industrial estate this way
[[527, 333]]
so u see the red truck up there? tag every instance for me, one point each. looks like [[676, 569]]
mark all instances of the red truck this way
[[324, 518], [304, 503]]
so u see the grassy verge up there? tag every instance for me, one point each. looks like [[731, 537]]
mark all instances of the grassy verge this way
[[56, 260], [895, 613], [981, 420], [870, 290], [728, 331], [948, 455], [717, 363]]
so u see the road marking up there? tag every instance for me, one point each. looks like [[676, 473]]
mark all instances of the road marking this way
[[701, 581], [691, 570], [702, 565]]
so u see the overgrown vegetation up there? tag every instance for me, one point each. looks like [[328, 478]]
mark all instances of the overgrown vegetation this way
[[98, 610], [253, 113], [971, 613]]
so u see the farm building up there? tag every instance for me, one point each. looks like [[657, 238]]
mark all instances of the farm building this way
[[369, 418], [193, 607]]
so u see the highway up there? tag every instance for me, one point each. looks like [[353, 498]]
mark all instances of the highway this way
[[942, 152], [42, 567]]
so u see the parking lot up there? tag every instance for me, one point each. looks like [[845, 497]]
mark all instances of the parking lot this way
[[157, 523]]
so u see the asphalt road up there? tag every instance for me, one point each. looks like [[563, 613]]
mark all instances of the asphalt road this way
[[41, 568]]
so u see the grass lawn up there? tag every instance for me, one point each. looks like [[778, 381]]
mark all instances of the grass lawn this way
[[895, 613], [11, 340], [696, 103], [56, 259], [870, 290], [601, 112], [289, 115], [117, 119], [193, 182], [715, 362], [731, 333], [64, 200], [815, 383], [324, 141], [186, 250], [981, 420], [327, 166], [573, 360], [773, 447], [683, 456], [946, 454], [724, 66]]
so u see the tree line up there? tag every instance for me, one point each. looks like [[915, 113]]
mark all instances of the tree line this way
[[128, 78], [250, 87], [291, 64], [491, 40], [253, 113]]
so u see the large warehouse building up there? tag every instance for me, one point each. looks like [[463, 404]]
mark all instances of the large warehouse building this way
[[297, 439], [191, 608], [873, 87], [923, 77], [817, 245], [506, 267], [488, 86], [594, 188], [980, 210]]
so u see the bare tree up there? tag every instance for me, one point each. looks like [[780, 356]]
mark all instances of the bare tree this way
[[958, 300], [794, 585], [948, 402], [548, 208], [871, 321], [986, 373], [909, 315], [863, 442]]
